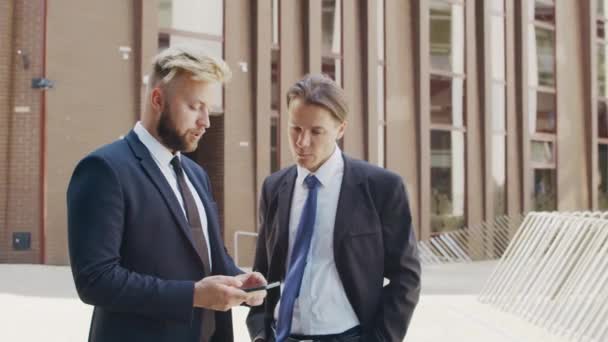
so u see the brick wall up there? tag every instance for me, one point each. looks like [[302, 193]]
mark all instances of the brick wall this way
[[6, 12], [20, 137]]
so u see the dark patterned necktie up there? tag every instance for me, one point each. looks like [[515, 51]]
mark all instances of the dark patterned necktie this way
[[208, 316]]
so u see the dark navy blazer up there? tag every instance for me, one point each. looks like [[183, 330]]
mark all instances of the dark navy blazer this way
[[373, 239], [131, 249]]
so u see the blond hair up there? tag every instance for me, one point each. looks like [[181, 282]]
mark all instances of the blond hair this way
[[190, 59], [320, 90]]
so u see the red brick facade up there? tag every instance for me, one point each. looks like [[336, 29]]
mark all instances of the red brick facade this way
[[22, 30]]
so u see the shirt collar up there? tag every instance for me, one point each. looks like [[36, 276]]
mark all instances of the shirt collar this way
[[329, 169], [158, 151]]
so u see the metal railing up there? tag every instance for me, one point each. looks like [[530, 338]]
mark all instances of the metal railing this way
[[555, 274], [484, 241]]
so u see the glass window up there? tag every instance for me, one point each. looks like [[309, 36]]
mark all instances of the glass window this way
[[542, 152], [602, 118], [496, 55], [496, 6], [200, 16], [332, 67], [602, 190], [545, 56], [499, 158], [182, 24], [498, 107], [544, 192], [447, 101], [331, 27], [543, 110], [497, 47], [447, 180], [274, 143], [601, 70], [544, 11], [275, 93], [602, 5], [447, 37], [380, 21], [275, 22]]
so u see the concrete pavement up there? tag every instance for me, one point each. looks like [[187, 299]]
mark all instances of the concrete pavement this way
[[39, 303]]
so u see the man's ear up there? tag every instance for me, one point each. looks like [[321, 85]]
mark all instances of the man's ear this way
[[341, 129], [157, 99]]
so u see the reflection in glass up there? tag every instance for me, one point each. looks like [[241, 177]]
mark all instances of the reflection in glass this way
[[544, 190], [545, 57], [498, 107], [275, 22], [496, 6], [499, 174], [274, 143], [331, 26], [332, 67], [542, 110], [601, 70], [447, 181], [199, 16], [601, 8], [275, 95], [497, 47], [602, 118], [544, 11], [542, 152], [380, 36], [447, 37], [447, 100], [602, 188]]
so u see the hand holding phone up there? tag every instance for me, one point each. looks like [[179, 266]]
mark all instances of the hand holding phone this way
[[262, 288]]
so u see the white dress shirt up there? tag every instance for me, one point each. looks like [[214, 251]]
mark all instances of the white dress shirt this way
[[322, 306], [162, 156]]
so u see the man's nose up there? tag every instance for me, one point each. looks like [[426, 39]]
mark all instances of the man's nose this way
[[203, 119], [304, 139]]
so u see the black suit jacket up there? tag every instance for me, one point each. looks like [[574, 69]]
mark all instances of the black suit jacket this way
[[373, 239], [131, 249]]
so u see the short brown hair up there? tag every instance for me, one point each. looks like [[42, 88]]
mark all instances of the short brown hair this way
[[322, 91]]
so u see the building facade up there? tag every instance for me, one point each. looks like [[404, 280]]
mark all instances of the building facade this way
[[485, 108]]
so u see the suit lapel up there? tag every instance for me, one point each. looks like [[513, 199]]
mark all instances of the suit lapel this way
[[281, 243], [350, 193], [159, 180]]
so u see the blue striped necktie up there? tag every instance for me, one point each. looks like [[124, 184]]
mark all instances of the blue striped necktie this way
[[297, 264]]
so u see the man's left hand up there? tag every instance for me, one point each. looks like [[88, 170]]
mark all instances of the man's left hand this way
[[253, 279]]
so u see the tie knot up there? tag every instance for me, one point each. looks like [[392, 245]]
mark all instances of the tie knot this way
[[311, 181], [177, 165]]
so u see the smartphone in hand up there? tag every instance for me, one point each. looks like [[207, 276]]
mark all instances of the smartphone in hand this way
[[263, 287]]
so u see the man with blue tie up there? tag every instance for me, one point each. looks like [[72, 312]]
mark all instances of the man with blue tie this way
[[143, 229], [331, 229]]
